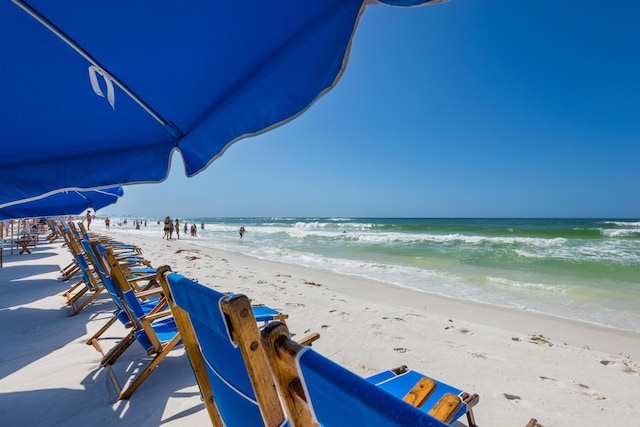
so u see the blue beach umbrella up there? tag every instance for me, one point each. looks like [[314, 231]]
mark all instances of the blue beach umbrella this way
[[100, 93], [63, 203]]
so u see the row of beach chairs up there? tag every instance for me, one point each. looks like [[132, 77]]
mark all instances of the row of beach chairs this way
[[249, 369]]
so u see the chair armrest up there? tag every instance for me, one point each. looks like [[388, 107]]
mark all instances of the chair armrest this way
[[309, 339]]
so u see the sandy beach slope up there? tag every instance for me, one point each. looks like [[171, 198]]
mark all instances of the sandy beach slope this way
[[521, 364]]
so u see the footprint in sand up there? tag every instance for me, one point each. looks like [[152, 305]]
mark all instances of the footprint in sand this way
[[399, 319], [400, 350], [478, 355], [417, 315], [579, 387], [463, 331], [540, 340], [341, 313], [307, 282], [628, 366], [294, 304]]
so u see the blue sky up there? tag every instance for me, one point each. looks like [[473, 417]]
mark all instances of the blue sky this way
[[471, 108]]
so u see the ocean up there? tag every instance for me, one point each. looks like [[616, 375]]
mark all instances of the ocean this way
[[580, 269]]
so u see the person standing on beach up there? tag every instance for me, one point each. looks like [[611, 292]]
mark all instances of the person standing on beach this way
[[177, 228], [89, 220], [202, 226], [167, 227], [185, 228], [107, 222], [241, 231]]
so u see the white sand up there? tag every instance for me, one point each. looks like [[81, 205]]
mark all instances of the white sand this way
[[522, 365]]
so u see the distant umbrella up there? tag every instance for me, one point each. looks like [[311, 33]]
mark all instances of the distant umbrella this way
[[63, 203], [100, 93]]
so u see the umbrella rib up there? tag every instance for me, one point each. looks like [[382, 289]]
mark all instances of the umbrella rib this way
[[75, 46]]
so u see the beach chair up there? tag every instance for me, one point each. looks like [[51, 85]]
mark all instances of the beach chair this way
[[222, 340], [133, 271], [155, 331], [83, 292], [53, 231], [315, 390], [72, 268], [151, 300], [90, 284]]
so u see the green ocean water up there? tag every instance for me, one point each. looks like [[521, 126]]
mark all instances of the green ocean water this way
[[582, 269]]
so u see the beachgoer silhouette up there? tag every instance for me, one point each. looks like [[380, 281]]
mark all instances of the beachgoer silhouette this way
[[241, 231], [167, 227]]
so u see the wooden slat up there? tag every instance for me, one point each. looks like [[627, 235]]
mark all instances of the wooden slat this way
[[446, 407], [281, 351], [243, 323], [192, 348], [420, 392]]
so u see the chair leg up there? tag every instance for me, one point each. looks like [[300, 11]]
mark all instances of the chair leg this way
[[71, 298], [101, 331], [117, 350], [126, 393], [471, 401], [69, 271], [79, 308]]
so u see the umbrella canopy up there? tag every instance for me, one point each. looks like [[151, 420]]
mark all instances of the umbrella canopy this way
[[63, 203], [97, 94]]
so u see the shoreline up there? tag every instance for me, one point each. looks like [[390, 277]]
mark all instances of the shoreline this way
[[521, 268], [555, 328]]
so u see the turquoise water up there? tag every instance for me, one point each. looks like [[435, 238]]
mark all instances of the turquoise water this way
[[582, 269]]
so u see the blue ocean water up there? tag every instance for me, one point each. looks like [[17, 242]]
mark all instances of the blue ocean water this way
[[582, 269]]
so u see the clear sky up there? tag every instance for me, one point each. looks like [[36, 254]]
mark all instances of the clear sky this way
[[471, 108]]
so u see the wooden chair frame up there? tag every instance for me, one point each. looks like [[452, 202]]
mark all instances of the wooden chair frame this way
[[144, 323], [244, 333], [282, 352], [118, 299]]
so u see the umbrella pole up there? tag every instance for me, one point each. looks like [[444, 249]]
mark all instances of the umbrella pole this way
[[1, 242], [12, 242]]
